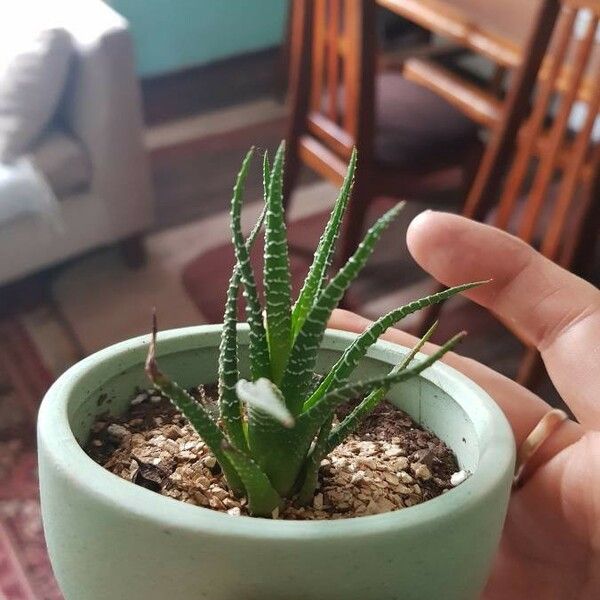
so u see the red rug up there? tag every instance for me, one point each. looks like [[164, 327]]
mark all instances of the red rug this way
[[25, 572]]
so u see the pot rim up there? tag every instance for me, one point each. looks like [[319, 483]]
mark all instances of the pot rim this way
[[496, 449]]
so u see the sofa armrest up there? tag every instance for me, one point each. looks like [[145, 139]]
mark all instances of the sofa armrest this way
[[103, 109]]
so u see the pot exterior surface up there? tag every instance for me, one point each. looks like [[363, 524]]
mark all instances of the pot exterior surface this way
[[110, 539]]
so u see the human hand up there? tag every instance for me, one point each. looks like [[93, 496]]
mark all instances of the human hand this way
[[550, 547]]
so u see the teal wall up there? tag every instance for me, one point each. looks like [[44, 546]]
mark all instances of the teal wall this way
[[170, 35]]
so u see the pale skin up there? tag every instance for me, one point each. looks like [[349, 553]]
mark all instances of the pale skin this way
[[550, 547]]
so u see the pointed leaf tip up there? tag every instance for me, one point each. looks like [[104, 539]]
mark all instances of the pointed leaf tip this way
[[263, 395], [276, 274], [151, 366]]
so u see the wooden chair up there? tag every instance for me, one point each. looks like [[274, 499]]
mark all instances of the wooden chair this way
[[501, 115], [550, 192], [408, 138]]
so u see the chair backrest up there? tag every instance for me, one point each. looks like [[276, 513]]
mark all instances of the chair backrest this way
[[341, 99], [554, 161]]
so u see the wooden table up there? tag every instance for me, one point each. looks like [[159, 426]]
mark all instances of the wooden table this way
[[495, 29]]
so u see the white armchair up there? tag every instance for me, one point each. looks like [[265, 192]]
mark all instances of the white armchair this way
[[93, 153]]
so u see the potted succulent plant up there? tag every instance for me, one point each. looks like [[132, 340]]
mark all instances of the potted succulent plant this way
[[268, 438]]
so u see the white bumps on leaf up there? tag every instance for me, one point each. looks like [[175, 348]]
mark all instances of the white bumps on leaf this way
[[263, 395]]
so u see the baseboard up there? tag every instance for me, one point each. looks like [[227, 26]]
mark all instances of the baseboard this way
[[213, 86]]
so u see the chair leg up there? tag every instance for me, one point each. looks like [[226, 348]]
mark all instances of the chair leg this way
[[585, 240], [531, 368], [300, 40], [292, 169], [497, 81], [133, 251], [470, 168], [285, 56], [516, 108]]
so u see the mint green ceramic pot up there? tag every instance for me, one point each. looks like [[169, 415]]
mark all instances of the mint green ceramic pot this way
[[112, 540]]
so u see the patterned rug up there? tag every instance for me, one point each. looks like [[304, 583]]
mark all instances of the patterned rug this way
[[25, 572]]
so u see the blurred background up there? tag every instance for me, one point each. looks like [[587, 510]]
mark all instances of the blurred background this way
[[123, 124]]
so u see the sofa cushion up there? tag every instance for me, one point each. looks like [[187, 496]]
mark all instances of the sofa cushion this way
[[34, 67], [62, 159], [25, 192]]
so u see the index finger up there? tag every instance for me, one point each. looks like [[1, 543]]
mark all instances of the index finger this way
[[553, 309]]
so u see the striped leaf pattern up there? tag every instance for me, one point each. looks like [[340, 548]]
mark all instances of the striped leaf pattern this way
[[324, 254], [277, 278], [229, 403], [349, 360], [315, 416], [259, 351], [306, 346], [313, 462], [275, 449], [262, 497], [266, 178], [351, 422]]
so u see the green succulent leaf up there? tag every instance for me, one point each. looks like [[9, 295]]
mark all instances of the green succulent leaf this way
[[277, 279], [275, 448], [229, 404], [313, 463], [351, 422], [324, 254], [266, 178], [303, 356], [271, 433], [263, 395], [259, 350], [314, 417], [346, 364], [194, 412], [262, 497]]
